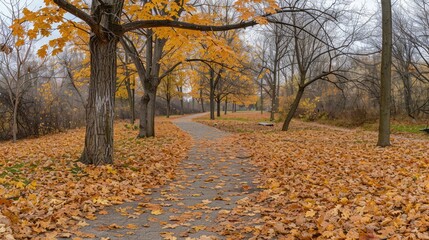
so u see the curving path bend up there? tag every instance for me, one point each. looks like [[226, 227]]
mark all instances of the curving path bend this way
[[198, 204]]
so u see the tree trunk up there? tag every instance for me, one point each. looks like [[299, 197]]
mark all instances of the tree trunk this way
[[293, 108], [130, 90], [262, 98], [202, 101], [15, 119], [151, 114], [273, 103], [147, 115], [98, 148], [193, 104], [168, 107], [218, 107], [212, 96], [143, 113], [408, 97], [226, 105], [133, 104], [386, 62]]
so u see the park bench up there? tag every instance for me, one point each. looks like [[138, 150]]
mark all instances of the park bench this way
[[426, 130], [266, 123]]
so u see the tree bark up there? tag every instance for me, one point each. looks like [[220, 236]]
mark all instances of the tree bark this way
[[168, 107], [408, 93], [212, 95], [386, 62], [182, 107], [143, 113], [293, 108], [98, 148], [262, 98], [151, 114], [193, 104], [168, 97], [274, 84], [202, 101], [273, 103], [226, 105], [147, 115], [218, 101], [15, 120], [130, 91]]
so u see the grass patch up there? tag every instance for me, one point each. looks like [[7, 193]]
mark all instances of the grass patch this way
[[397, 127], [407, 128]]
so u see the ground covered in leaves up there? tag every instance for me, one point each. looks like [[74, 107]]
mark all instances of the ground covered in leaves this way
[[322, 182], [45, 193]]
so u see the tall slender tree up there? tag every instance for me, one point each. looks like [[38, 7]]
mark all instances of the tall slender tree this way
[[386, 74]]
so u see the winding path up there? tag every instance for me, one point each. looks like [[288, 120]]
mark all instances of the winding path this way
[[196, 204]]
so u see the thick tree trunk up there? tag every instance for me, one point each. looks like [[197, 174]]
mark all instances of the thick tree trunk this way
[[143, 114], [386, 63], [293, 108], [98, 148], [151, 114], [147, 115]]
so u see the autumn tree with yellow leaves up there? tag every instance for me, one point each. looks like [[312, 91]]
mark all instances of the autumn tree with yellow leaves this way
[[106, 22]]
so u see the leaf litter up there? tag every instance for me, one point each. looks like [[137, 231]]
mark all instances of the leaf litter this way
[[46, 193], [322, 183]]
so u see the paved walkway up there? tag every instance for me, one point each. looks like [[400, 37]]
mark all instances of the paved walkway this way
[[196, 204]]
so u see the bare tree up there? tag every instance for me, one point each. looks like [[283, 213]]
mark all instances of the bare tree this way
[[386, 62], [403, 52], [319, 46], [17, 64], [274, 50]]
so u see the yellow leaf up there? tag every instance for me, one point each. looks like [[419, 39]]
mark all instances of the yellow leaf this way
[[111, 170], [156, 212], [82, 224], [310, 213], [19, 43], [32, 185], [261, 20], [344, 200], [43, 51], [199, 228], [131, 226], [20, 185]]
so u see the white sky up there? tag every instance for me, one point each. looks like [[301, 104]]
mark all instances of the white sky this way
[[369, 7]]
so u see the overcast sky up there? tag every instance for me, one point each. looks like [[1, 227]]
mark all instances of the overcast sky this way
[[368, 6]]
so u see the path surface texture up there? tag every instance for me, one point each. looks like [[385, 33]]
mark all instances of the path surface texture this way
[[198, 204]]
